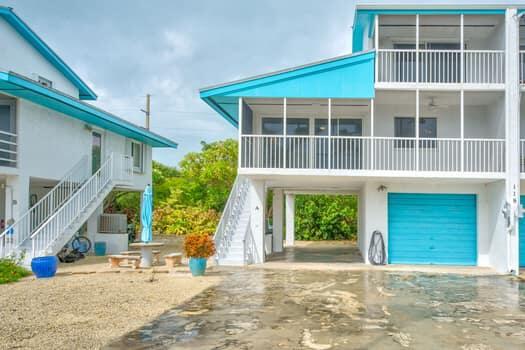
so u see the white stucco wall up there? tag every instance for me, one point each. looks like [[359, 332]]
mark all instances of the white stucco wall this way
[[17, 55], [489, 224], [50, 144]]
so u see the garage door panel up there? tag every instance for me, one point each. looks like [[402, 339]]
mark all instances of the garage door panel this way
[[432, 229]]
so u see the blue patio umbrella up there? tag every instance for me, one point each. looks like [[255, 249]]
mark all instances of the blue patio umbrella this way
[[146, 214]]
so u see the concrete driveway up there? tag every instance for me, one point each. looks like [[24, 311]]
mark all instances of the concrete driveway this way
[[305, 309]]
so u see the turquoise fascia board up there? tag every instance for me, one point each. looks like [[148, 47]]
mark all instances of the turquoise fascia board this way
[[345, 77], [225, 109], [27, 89], [286, 84], [85, 93], [364, 19]]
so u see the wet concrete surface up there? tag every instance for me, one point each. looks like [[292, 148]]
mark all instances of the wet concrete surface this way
[[320, 310]]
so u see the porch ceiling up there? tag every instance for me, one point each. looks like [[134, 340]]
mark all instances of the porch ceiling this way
[[350, 76]]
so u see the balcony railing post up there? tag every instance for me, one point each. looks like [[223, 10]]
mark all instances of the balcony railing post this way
[[330, 131], [284, 134], [240, 133]]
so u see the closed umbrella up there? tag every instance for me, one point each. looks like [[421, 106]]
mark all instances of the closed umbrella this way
[[146, 214]]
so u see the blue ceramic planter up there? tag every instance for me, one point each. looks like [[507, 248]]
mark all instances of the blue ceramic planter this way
[[44, 266], [197, 266]]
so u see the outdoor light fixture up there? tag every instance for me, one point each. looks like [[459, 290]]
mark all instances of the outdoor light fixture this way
[[381, 188]]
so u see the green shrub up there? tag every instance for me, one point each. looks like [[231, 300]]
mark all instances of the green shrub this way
[[323, 217], [176, 220], [11, 272]]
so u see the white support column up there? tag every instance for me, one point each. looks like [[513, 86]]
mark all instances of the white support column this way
[[512, 135], [278, 206], [462, 127], [329, 133], [290, 219], [417, 129], [372, 141], [417, 48], [17, 196], [376, 46], [462, 93], [257, 202], [240, 132], [284, 133]]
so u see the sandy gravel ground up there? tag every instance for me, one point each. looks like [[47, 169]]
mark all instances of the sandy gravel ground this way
[[80, 309]]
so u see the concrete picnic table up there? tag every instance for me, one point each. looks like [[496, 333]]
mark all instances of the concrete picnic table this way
[[146, 250]]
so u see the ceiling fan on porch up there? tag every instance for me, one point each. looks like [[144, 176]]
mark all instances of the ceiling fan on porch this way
[[433, 105]]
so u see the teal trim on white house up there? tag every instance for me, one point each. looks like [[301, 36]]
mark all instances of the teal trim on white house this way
[[350, 76], [30, 90], [7, 13], [364, 19]]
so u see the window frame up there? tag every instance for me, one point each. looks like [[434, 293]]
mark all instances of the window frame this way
[[411, 143], [140, 167]]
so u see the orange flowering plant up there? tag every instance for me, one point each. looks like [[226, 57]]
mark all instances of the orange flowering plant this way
[[199, 246]]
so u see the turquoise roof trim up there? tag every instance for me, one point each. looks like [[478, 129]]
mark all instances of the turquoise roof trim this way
[[30, 90], [7, 13], [364, 19], [350, 76]]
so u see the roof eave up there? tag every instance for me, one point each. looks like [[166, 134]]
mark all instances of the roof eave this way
[[151, 138], [85, 92]]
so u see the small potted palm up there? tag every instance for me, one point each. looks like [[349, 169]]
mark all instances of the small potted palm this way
[[198, 247]]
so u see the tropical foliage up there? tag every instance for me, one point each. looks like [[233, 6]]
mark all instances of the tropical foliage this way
[[323, 217], [189, 199]]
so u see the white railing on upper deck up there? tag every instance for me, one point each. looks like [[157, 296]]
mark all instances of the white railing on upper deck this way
[[32, 219], [373, 153], [8, 149], [112, 223], [441, 66]]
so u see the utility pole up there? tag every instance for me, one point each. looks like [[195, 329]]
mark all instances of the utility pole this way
[[147, 110]]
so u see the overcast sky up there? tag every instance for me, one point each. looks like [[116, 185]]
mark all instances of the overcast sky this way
[[124, 49]]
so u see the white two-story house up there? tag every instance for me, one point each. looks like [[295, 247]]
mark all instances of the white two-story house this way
[[421, 121], [59, 156]]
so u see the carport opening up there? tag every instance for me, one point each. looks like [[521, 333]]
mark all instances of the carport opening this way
[[325, 228]]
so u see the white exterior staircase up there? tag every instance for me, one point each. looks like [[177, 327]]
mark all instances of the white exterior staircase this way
[[232, 237], [46, 227]]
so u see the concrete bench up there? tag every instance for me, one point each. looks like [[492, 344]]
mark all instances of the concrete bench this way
[[156, 254], [173, 259], [115, 260]]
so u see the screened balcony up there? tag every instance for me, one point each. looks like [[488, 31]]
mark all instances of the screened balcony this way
[[365, 136]]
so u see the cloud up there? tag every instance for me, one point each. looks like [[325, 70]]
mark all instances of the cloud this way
[[178, 45]]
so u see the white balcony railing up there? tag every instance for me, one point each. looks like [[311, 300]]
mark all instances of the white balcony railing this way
[[441, 66], [373, 153], [8, 149], [522, 156]]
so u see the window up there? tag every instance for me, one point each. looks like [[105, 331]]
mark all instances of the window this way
[[297, 126], [272, 126], [8, 138], [45, 82], [138, 156], [340, 127], [404, 127], [96, 151]]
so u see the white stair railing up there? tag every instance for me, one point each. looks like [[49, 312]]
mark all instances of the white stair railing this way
[[230, 216], [117, 168], [15, 234]]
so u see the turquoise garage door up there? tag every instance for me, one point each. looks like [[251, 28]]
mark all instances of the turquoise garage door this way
[[432, 229], [522, 237]]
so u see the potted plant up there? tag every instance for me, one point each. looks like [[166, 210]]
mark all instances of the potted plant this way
[[198, 247]]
